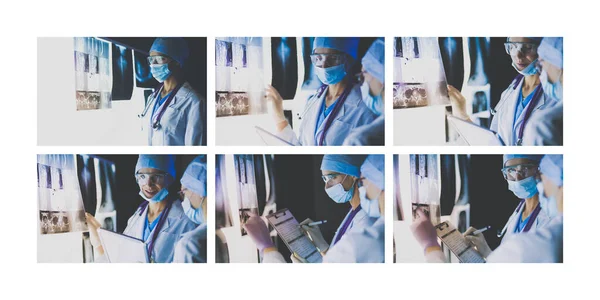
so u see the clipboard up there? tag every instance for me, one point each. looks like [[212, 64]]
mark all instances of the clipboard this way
[[474, 135], [120, 248], [289, 231], [455, 241], [270, 139]]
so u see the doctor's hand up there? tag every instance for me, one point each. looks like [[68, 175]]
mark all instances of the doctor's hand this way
[[459, 103], [424, 232], [478, 241], [259, 233], [276, 101], [93, 226], [314, 234]]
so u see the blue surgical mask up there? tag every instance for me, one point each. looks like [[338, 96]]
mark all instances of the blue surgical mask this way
[[551, 90], [160, 72], [528, 71], [374, 103], [160, 196], [525, 188], [331, 75], [371, 207], [548, 204], [338, 194], [195, 215]]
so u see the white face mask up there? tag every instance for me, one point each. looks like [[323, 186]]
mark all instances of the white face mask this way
[[196, 215], [371, 207], [338, 194], [160, 196], [523, 189]]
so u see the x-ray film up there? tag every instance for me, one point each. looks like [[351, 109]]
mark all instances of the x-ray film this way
[[59, 197], [419, 78]]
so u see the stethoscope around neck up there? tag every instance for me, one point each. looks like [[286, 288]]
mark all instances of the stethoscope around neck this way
[[538, 92], [156, 119], [532, 218]]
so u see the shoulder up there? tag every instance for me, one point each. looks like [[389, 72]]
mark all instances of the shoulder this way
[[188, 93], [176, 213]]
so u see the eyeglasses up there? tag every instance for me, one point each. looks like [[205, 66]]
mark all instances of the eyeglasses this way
[[512, 173], [513, 48], [155, 178], [329, 60], [328, 177], [158, 60]]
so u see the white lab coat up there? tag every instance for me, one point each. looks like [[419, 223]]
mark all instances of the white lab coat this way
[[541, 221], [372, 134], [503, 122], [182, 122], [545, 129], [362, 229], [364, 245], [543, 245], [352, 114], [164, 247], [191, 248]]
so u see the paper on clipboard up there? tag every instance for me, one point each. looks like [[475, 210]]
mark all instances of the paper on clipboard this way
[[289, 230], [120, 248], [455, 241]]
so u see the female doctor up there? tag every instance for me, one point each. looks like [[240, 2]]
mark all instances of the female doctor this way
[[544, 245], [174, 111], [363, 242], [337, 107], [523, 98], [521, 174], [159, 221]]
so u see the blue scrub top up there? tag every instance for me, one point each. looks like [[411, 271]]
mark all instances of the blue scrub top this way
[[325, 111], [521, 223], [150, 226], [159, 103], [522, 103]]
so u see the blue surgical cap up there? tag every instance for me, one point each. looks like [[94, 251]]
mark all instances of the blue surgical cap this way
[[344, 164], [165, 163], [551, 50], [552, 168], [194, 177], [373, 169], [173, 47], [374, 60], [532, 157], [536, 39], [348, 45]]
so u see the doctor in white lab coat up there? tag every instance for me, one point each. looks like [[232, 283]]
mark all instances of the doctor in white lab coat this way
[[521, 101], [337, 107], [160, 221], [174, 114], [547, 129], [191, 248], [542, 245], [341, 173]]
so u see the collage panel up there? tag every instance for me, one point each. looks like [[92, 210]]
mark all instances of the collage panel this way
[[299, 91], [122, 91], [96, 208], [300, 208], [480, 91], [478, 208]]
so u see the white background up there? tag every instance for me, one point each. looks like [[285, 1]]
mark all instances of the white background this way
[[22, 22]]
